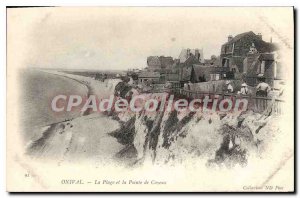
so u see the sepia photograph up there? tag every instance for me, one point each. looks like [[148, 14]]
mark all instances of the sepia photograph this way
[[150, 99]]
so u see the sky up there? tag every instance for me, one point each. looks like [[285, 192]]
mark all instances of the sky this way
[[122, 38]]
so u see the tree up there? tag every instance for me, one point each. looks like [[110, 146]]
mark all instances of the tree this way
[[213, 57]]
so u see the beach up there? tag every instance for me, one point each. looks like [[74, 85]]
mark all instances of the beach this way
[[72, 136]]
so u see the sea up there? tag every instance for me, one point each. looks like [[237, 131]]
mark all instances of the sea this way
[[38, 90]]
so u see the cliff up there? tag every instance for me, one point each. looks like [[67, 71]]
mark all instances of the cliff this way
[[172, 137]]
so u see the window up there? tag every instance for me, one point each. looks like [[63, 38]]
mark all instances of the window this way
[[223, 62], [226, 49], [262, 67]]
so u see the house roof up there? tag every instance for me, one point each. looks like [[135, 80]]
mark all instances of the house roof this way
[[184, 56], [260, 45], [172, 77], [239, 36], [211, 62], [160, 61], [208, 69], [148, 74], [166, 61], [201, 70], [186, 73], [153, 61], [190, 61]]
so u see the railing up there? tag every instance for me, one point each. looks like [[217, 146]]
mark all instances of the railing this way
[[257, 104]]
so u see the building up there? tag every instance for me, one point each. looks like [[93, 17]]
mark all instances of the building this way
[[172, 77], [213, 61], [153, 63], [236, 49], [166, 61], [265, 64], [185, 74], [158, 63], [190, 56], [204, 73], [148, 77]]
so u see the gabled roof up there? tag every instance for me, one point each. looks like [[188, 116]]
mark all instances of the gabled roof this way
[[183, 56]]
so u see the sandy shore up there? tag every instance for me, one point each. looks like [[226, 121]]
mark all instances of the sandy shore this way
[[83, 138]]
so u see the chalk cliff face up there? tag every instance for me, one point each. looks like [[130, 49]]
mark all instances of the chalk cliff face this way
[[167, 137], [172, 137]]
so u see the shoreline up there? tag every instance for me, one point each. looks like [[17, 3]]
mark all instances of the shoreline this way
[[78, 138]]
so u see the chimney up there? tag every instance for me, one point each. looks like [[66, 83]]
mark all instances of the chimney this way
[[188, 51], [259, 36], [197, 54], [230, 37]]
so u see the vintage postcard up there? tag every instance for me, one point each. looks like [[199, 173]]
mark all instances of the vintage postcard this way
[[150, 99]]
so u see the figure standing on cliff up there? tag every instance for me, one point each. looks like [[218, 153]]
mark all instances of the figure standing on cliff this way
[[244, 89], [190, 85], [186, 86], [262, 89], [229, 88]]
